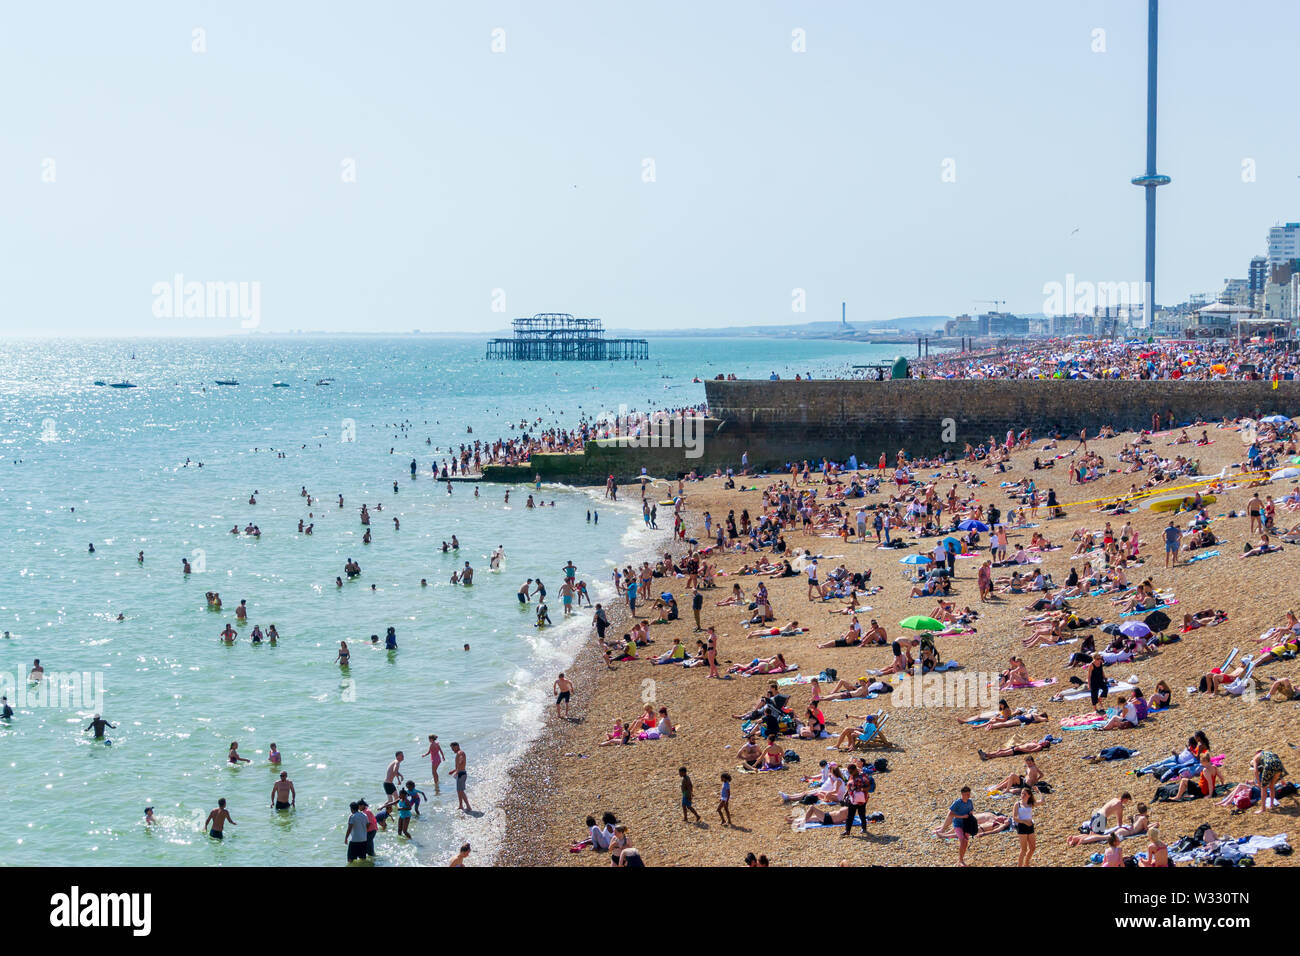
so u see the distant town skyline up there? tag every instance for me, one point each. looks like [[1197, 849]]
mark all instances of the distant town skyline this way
[[188, 169]]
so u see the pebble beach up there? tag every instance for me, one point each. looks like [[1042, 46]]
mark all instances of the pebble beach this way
[[566, 776]]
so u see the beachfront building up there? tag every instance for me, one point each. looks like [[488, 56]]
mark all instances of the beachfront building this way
[[1283, 243], [1236, 292], [1282, 292], [1221, 320], [1257, 278]]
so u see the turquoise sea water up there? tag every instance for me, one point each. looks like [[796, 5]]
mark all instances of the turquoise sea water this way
[[179, 696]]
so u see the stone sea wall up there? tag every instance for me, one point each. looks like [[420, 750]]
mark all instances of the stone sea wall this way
[[775, 422]]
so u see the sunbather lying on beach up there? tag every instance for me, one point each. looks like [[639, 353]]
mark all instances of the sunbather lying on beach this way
[[1208, 618], [770, 665], [855, 690], [1017, 749], [785, 630], [1136, 825]]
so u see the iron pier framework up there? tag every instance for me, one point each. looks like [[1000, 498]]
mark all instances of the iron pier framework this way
[[560, 337]]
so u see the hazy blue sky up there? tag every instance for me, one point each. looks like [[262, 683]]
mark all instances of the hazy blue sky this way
[[773, 169]]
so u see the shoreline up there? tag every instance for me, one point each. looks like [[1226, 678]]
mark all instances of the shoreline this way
[[565, 775], [533, 779]]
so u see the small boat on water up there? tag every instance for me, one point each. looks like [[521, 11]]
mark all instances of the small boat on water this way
[[279, 384], [226, 381], [100, 381], [122, 385], [325, 381]]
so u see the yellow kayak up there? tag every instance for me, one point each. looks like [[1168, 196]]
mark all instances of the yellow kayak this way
[[1173, 504]]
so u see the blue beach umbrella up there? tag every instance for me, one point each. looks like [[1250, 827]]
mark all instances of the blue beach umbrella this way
[[1275, 419], [915, 559], [956, 545], [970, 523], [1134, 629]]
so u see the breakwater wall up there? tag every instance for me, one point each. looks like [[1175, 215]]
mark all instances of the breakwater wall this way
[[776, 422]]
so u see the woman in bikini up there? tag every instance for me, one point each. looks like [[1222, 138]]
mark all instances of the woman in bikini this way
[[435, 755]]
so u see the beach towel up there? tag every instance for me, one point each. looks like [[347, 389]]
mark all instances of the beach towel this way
[[1203, 555], [1083, 721], [1033, 683], [1115, 687]]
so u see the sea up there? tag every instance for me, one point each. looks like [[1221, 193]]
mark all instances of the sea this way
[[167, 469]]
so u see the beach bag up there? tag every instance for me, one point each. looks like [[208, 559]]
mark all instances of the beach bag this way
[[1243, 801], [791, 757], [882, 766], [1097, 823], [830, 673]]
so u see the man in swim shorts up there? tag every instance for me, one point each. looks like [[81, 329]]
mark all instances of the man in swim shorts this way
[[563, 689], [461, 775], [394, 775], [217, 820], [283, 795]]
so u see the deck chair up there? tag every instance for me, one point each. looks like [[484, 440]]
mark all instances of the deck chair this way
[[874, 735]]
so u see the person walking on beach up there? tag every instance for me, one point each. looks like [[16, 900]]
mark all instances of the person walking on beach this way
[[435, 755], [856, 794], [1025, 825], [1173, 542], [631, 595], [697, 604], [563, 690], [283, 795], [961, 816], [462, 775], [688, 790]]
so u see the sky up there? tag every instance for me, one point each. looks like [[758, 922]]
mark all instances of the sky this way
[[447, 166]]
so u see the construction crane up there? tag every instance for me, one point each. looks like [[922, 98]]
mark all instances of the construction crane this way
[[995, 302]]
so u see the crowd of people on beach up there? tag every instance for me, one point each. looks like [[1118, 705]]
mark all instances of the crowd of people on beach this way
[[903, 504]]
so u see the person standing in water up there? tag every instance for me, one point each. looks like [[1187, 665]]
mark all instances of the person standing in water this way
[[283, 795], [394, 775], [98, 725], [436, 757], [216, 822]]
